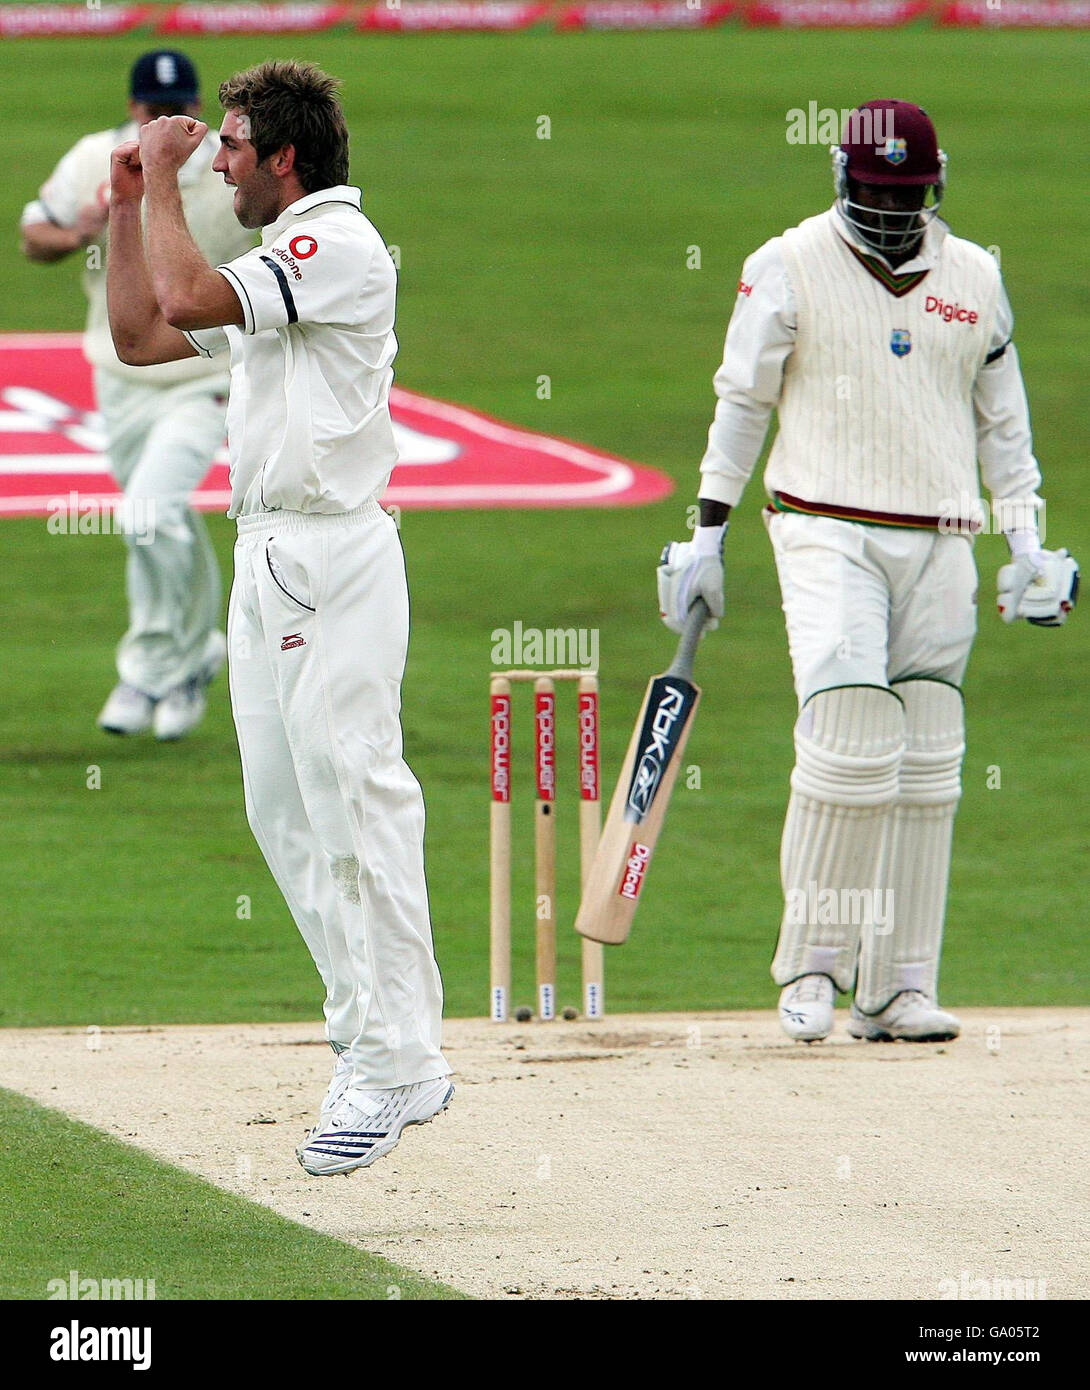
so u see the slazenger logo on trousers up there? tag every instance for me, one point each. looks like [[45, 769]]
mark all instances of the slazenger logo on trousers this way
[[634, 871], [653, 759], [949, 313]]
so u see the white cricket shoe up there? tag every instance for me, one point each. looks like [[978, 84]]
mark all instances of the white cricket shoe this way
[[127, 711], [807, 1008], [910, 1016], [182, 709], [342, 1075], [366, 1125]]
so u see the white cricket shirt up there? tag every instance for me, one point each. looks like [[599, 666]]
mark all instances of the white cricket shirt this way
[[84, 175], [308, 422], [757, 370]]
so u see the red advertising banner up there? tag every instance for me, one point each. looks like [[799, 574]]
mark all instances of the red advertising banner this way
[[1016, 14], [643, 14], [835, 14], [52, 21], [397, 16], [52, 447], [248, 18]]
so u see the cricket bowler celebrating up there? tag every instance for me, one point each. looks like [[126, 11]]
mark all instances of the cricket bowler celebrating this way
[[884, 344], [319, 616], [163, 424]]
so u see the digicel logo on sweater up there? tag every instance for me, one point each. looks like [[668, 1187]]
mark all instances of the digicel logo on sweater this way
[[52, 446], [949, 313]]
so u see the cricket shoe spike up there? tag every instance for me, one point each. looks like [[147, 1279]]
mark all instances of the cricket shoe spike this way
[[127, 711], [909, 1017], [365, 1125], [807, 1008]]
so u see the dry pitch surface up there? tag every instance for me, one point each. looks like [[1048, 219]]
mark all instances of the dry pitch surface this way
[[650, 1156]]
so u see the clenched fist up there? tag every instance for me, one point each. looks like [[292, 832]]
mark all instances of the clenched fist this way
[[167, 142], [126, 174]]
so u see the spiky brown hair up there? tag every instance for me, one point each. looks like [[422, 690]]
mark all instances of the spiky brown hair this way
[[291, 103]]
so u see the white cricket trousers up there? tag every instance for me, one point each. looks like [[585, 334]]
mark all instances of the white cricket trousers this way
[[160, 442], [317, 632], [867, 605]]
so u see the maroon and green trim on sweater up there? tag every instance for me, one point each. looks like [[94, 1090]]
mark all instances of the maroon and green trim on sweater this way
[[784, 502], [898, 285]]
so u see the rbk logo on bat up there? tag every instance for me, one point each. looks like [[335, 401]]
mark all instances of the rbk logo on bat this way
[[668, 709]]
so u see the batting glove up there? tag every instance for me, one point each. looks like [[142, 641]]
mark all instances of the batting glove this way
[[689, 570], [1041, 586]]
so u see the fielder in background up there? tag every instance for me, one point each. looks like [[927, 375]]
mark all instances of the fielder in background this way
[[163, 425], [884, 343], [318, 626]]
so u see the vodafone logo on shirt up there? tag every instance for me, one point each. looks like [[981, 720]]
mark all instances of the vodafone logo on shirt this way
[[303, 246], [301, 249]]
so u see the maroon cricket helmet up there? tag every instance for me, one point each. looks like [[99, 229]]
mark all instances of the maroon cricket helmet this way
[[891, 142]]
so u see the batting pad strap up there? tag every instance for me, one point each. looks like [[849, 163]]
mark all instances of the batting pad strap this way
[[849, 743], [934, 743]]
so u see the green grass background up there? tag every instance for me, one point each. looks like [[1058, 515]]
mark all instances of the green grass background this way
[[566, 257], [74, 1199]]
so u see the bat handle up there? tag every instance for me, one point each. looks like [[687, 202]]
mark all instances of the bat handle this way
[[682, 665]]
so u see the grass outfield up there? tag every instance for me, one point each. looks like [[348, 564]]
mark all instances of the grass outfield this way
[[112, 1212], [567, 257]]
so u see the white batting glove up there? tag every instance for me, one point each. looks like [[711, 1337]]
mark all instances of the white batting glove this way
[[1038, 585], [689, 570]]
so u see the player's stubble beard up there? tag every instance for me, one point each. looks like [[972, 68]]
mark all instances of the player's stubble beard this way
[[257, 200]]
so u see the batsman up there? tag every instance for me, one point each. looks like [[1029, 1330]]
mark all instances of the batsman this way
[[883, 342]]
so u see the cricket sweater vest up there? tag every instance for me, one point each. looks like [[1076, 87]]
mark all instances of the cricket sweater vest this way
[[876, 417]]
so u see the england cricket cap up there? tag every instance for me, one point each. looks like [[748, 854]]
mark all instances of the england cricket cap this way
[[163, 77], [891, 142]]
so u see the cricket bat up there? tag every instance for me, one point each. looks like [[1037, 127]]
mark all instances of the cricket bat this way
[[638, 808]]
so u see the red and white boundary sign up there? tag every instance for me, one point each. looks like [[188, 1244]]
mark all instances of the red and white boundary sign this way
[[51, 445]]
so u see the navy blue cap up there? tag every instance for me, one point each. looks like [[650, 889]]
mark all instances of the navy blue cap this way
[[163, 77]]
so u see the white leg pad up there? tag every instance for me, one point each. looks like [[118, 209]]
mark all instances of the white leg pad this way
[[848, 747], [903, 954]]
